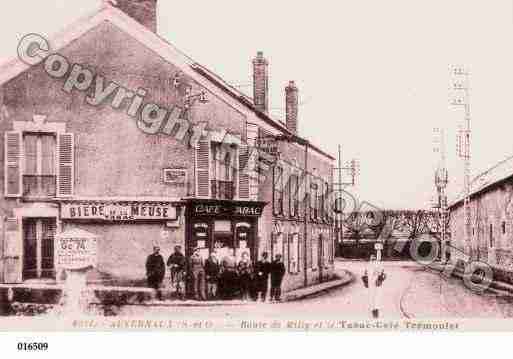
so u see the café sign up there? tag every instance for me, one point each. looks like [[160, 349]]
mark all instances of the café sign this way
[[207, 209], [119, 212]]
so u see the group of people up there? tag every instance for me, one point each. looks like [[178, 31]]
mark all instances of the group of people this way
[[214, 278]]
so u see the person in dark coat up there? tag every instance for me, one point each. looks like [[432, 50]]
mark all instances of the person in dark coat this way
[[244, 268], [277, 273], [155, 271], [177, 266], [228, 278], [262, 270], [212, 269]]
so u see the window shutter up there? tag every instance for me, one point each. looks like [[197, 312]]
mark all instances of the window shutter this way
[[13, 163], [12, 252], [65, 164], [244, 172], [203, 154]]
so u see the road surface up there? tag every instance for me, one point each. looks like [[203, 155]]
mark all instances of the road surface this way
[[410, 291]]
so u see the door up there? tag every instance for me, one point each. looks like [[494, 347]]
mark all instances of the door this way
[[38, 248]]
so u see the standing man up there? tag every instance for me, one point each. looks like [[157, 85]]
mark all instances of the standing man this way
[[244, 269], [176, 263], [375, 277], [212, 268], [196, 267], [262, 270], [155, 271], [277, 273]]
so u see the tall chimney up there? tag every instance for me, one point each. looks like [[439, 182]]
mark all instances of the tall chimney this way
[[144, 11], [260, 82], [291, 106]]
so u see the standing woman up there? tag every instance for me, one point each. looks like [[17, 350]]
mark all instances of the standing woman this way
[[374, 276], [245, 270]]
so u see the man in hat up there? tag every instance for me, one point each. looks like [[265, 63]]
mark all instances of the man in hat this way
[[262, 270], [176, 263], [277, 273], [155, 271], [197, 270]]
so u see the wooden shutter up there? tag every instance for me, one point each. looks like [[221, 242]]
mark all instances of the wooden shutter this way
[[203, 154], [13, 163], [65, 164], [244, 172], [12, 251]]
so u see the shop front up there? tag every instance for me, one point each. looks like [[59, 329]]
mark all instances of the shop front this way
[[229, 228], [127, 232]]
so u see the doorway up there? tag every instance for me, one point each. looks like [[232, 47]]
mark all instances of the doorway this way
[[38, 248]]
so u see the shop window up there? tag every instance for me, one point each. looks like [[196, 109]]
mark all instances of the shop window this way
[[293, 253], [278, 190]]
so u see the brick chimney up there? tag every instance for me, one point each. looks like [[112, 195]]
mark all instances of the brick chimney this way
[[144, 11], [291, 105], [260, 82]]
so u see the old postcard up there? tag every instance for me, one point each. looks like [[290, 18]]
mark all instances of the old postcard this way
[[256, 166]]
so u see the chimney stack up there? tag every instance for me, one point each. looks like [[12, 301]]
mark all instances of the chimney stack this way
[[143, 11], [260, 82], [291, 106]]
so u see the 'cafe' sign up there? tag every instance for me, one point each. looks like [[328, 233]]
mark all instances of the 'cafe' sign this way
[[119, 212], [233, 210]]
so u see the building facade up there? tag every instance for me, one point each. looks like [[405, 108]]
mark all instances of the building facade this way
[[117, 133], [491, 213]]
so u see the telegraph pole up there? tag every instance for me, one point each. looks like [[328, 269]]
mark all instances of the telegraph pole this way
[[353, 168], [462, 88]]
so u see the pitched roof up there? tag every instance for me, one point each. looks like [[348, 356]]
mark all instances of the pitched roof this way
[[487, 179], [206, 78]]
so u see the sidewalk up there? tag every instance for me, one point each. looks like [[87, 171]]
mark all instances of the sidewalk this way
[[499, 288], [344, 278]]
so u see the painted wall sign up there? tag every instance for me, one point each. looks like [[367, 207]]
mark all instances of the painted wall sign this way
[[76, 253], [177, 177], [118, 212]]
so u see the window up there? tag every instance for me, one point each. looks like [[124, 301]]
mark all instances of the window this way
[[492, 241], [293, 188], [39, 173], [315, 251], [222, 182], [278, 190], [313, 199], [293, 253], [503, 227]]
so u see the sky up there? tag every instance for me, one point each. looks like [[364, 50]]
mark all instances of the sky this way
[[373, 75]]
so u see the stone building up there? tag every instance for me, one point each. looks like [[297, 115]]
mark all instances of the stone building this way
[[115, 132], [491, 211]]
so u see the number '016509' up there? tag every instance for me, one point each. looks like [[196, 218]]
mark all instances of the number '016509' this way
[[33, 346]]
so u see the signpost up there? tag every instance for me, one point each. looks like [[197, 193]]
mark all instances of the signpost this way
[[378, 247]]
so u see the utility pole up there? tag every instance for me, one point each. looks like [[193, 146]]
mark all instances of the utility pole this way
[[353, 168], [460, 78], [441, 181]]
